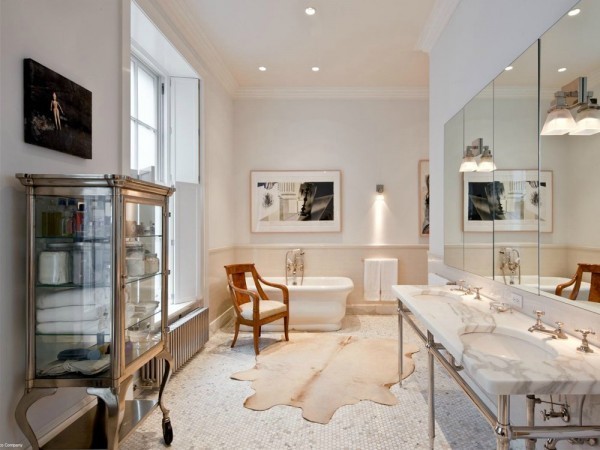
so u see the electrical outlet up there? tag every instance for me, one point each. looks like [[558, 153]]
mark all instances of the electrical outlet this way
[[517, 300]]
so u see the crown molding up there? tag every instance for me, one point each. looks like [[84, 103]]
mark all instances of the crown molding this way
[[333, 93], [176, 15], [436, 22]]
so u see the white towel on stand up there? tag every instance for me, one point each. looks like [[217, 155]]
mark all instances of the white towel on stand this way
[[389, 277], [372, 275]]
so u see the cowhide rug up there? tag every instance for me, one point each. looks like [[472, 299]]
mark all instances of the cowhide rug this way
[[320, 373]]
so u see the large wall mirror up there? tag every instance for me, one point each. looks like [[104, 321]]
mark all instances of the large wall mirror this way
[[532, 220], [570, 62]]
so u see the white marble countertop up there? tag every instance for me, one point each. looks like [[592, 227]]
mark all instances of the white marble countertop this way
[[449, 315]]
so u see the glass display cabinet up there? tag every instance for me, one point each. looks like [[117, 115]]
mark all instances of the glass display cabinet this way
[[97, 271]]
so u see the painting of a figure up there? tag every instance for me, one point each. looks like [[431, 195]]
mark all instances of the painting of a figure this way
[[295, 201], [508, 200], [424, 197], [58, 112]]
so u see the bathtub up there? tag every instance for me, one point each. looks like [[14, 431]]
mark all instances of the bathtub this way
[[319, 304]]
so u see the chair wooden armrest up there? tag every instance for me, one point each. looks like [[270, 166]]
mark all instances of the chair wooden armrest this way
[[252, 294], [283, 287], [561, 287]]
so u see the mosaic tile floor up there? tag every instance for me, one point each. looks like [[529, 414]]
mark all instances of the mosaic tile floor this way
[[207, 409]]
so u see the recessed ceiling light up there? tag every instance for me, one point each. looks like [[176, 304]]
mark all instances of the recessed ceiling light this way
[[310, 11], [262, 68], [315, 69], [562, 69], [574, 12], [509, 68]]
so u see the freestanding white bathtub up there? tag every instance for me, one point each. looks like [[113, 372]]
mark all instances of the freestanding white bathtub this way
[[319, 304], [547, 284]]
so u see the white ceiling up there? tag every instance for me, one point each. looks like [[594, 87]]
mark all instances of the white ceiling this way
[[356, 43]]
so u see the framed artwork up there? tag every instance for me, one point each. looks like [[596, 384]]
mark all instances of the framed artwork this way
[[507, 200], [424, 197], [58, 112], [295, 201]]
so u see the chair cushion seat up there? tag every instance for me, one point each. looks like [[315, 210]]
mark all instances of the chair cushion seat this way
[[266, 308]]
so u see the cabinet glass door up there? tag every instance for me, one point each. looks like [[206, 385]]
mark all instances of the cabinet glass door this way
[[74, 258], [143, 278]]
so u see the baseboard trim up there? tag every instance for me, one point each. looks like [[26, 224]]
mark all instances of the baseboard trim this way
[[372, 308], [220, 321]]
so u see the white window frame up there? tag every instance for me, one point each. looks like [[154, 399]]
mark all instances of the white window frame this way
[[151, 47], [160, 172]]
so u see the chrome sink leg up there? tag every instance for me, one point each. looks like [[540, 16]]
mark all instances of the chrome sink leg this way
[[530, 443], [502, 423], [430, 344], [400, 344]]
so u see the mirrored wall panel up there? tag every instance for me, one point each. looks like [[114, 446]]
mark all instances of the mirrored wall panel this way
[[453, 153], [477, 190], [570, 82], [516, 176]]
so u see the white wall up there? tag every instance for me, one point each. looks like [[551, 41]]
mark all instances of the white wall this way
[[81, 40], [371, 141]]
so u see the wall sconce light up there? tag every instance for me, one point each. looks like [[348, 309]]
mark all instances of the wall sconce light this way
[[560, 119], [472, 152], [379, 189]]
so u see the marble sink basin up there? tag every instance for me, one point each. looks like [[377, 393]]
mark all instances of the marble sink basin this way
[[509, 345]]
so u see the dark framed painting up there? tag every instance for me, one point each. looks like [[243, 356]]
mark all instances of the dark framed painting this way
[[424, 197], [508, 200], [58, 112], [295, 201]]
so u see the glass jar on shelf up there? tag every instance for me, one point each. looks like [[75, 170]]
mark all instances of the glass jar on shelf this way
[[135, 259], [151, 263]]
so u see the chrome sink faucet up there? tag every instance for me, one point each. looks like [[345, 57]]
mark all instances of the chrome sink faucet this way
[[294, 263], [510, 259], [558, 333]]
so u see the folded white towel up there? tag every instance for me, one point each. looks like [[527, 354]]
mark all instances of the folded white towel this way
[[372, 276], [63, 327], [389, 277], [55, 298], [70, 313]]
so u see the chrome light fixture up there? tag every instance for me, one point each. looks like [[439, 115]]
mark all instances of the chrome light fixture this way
[[588, 119], [474, 151], [560, 120], [468, 163], [486, 164]]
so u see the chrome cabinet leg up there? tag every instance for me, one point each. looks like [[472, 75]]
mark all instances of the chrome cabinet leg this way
[[110, 397], [28, 399], [166, 375], [166, 420]]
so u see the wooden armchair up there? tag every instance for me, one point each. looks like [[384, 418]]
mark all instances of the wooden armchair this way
[[254, 308], [594, 269]]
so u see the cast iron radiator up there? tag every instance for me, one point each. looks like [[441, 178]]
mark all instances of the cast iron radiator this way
[[186, 337]]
